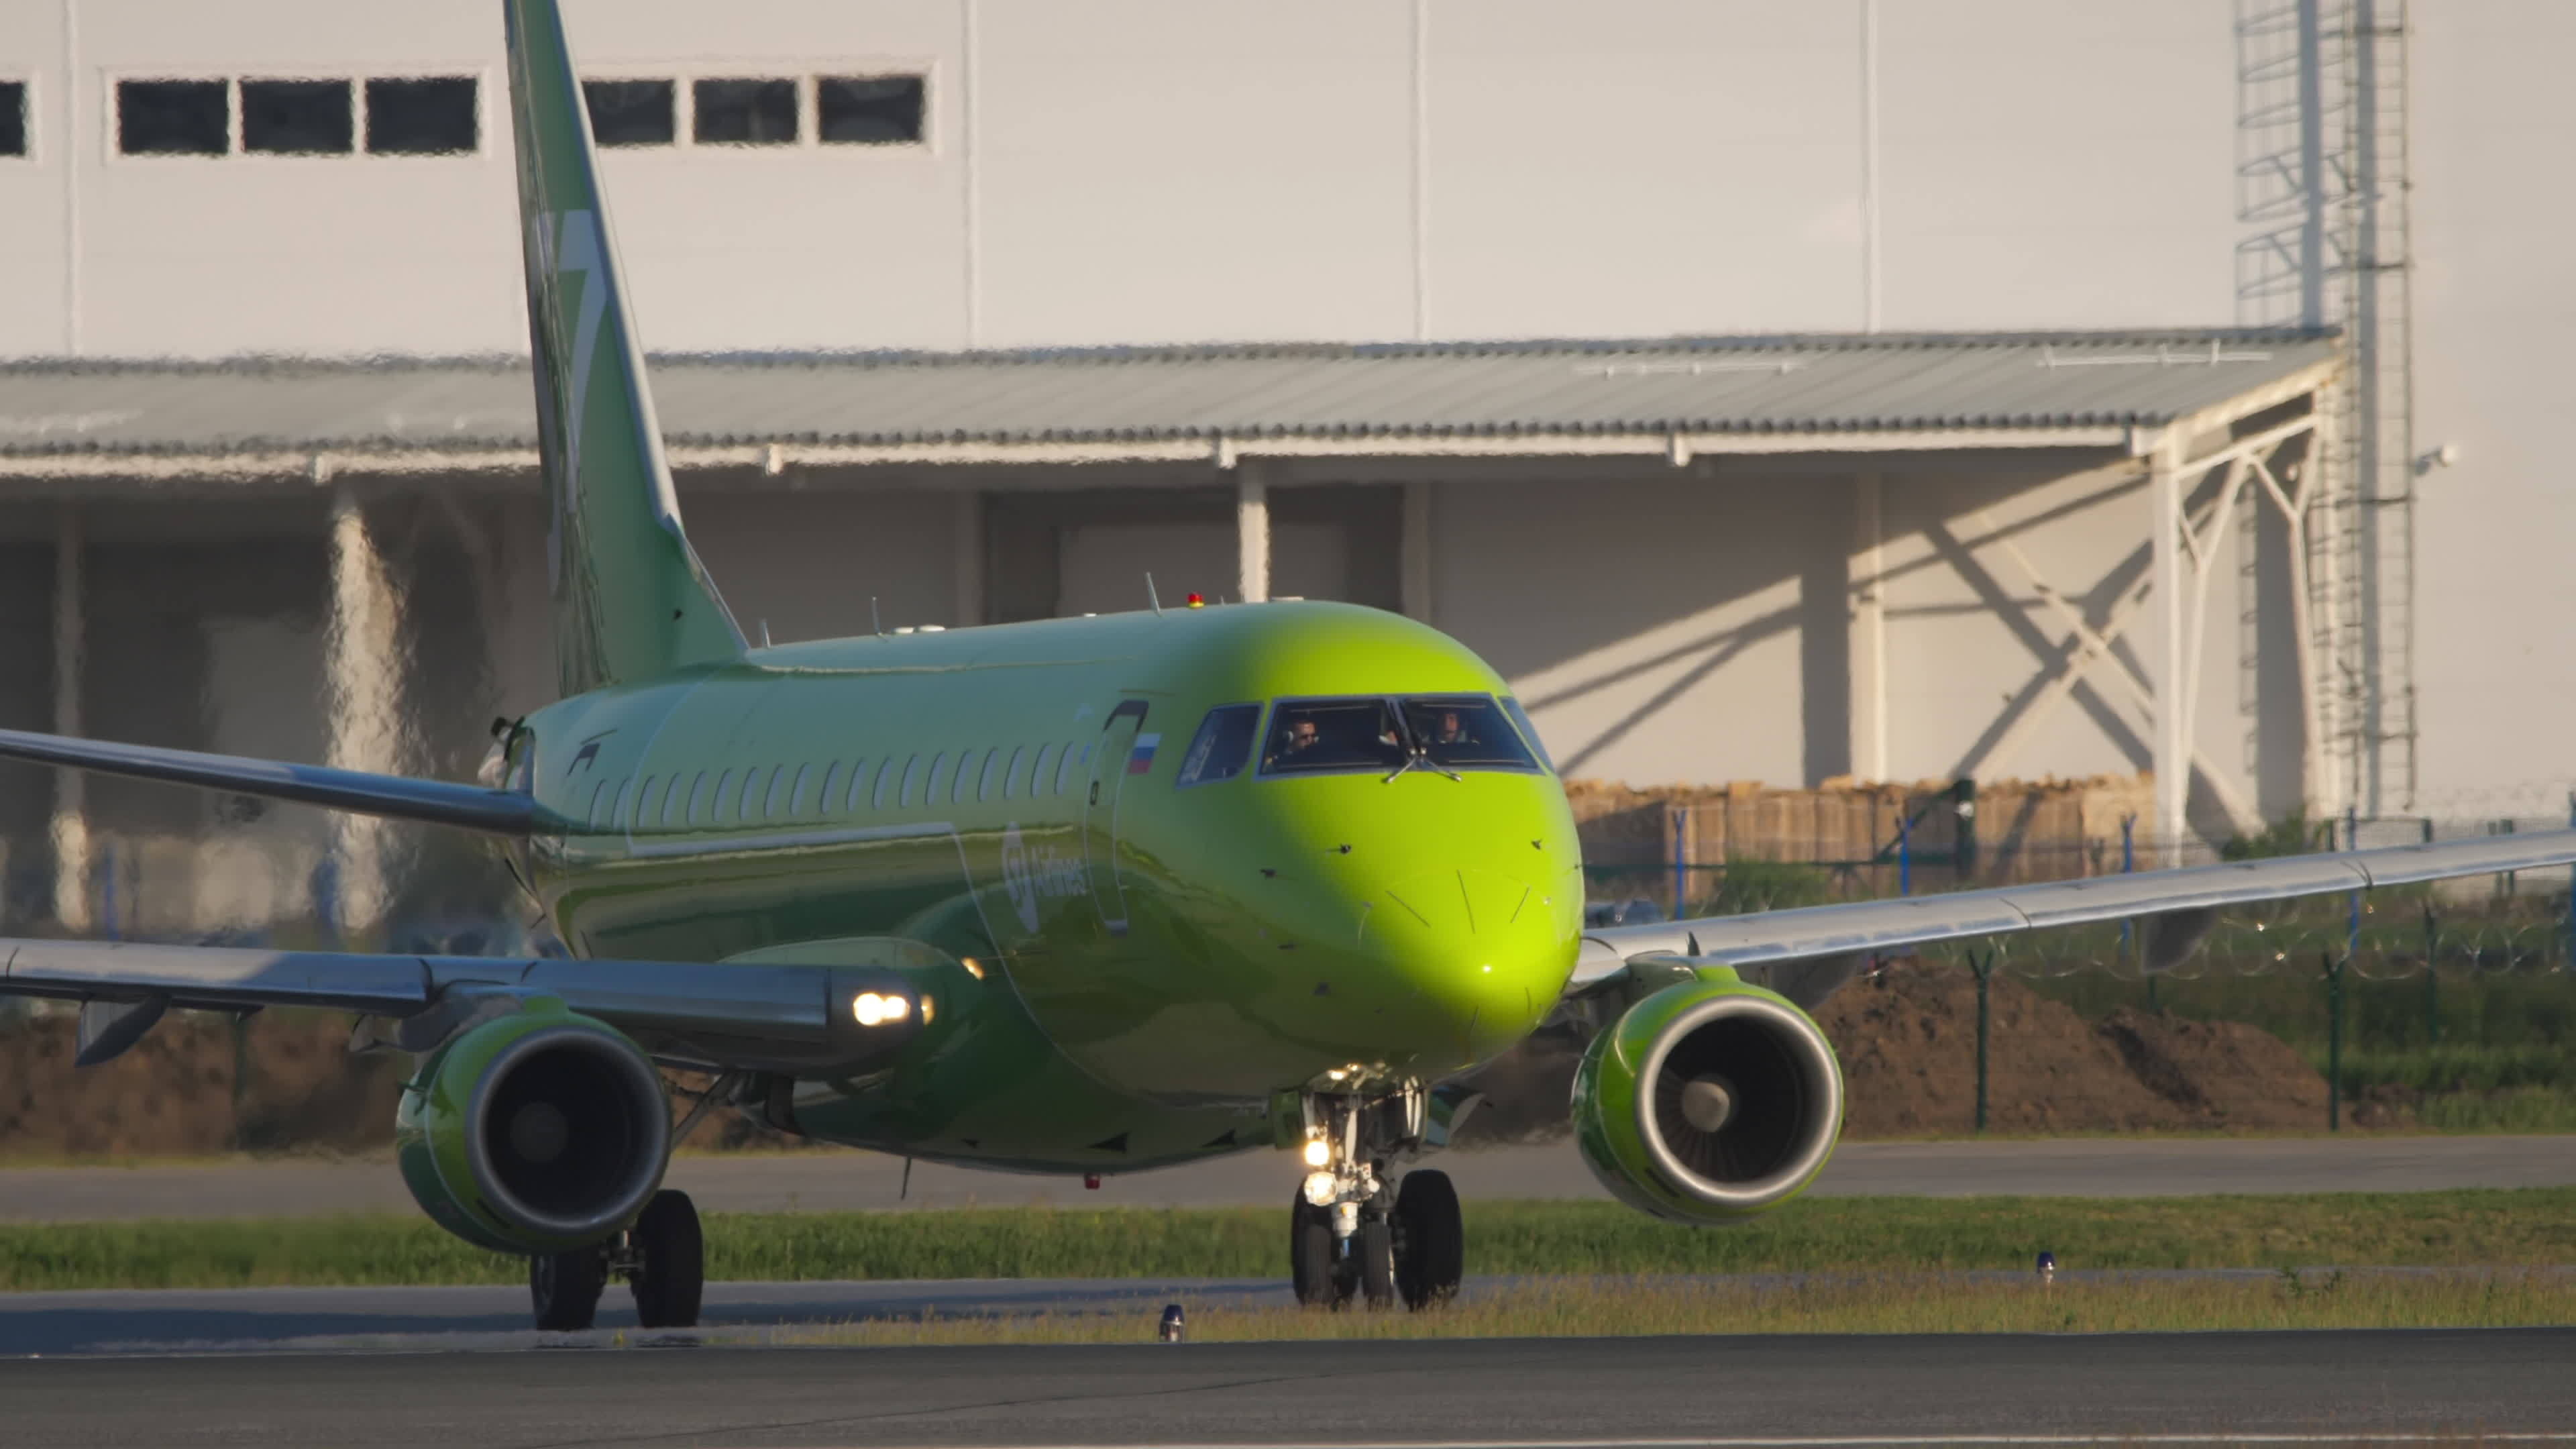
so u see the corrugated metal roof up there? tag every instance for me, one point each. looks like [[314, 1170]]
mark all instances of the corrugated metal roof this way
[[1793, 385]]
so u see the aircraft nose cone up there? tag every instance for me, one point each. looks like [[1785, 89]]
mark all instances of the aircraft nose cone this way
[[1482, 955]]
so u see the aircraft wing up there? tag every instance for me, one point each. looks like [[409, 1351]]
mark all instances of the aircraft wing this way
[[472, 807], [715, 1014], [1807, 952]]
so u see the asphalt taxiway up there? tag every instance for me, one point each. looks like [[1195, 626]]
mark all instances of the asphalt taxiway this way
[[2338, 1388], [840, 1180]]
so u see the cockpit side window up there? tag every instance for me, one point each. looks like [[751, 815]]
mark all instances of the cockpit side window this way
[[1529, 732], [1311, 736], [1465, 732], [1222, 747]]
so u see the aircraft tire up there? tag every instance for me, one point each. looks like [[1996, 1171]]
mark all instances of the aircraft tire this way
[[1430, 1240], [1310, 1255], [564, 1288], [670, 1275], [1375, 1250]]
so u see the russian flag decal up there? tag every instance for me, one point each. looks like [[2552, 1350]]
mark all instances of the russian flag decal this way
[[1141, 758]]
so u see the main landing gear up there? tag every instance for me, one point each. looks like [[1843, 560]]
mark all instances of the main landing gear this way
[[1353, 1234], [663, 1257]]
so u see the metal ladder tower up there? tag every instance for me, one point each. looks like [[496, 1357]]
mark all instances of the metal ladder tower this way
[[2322, 183]]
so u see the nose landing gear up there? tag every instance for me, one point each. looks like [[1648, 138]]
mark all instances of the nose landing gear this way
[[1352, 1232]]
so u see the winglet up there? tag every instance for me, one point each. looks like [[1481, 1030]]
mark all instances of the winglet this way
[[631, 599]]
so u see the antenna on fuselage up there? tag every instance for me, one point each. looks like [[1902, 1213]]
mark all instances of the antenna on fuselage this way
[[1150, 596], [875, 621]]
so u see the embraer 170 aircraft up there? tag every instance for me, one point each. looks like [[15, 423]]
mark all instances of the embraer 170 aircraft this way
[[1076, 896]]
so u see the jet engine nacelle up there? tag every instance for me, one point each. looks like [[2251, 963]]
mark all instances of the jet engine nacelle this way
[[1708, 1102], [534, 1132]]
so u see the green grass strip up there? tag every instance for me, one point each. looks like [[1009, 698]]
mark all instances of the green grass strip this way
[[2532, 1227]]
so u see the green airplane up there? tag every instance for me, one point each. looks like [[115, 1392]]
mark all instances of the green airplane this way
[[1079, 896]]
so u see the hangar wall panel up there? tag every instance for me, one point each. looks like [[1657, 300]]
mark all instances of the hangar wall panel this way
[[2495, 306], [1660, 167], [2051, 165], [1172, 171], [34, 237], [807, 562]]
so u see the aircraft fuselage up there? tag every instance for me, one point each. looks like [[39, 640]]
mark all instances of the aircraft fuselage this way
[[1113, 957]]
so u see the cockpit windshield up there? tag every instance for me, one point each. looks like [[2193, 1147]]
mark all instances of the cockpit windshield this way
[[1466, 732], [1308, 736], [1443, 732]]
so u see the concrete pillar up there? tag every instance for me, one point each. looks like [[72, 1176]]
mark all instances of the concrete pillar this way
[[969, 536], [70, 826], [1869, 632], [362, 681], [2172, 743], [1415, 550], [1251, 533]]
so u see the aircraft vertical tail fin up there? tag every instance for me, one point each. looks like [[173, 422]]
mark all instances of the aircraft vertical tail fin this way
[[630, 598]]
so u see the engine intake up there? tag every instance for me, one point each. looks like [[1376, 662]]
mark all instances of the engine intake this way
[[1708, 1102], [535, 1132]]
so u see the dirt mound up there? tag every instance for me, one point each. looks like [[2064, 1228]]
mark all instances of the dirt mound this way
[[1907, 1038], [1908, 1042], [173, 1094]]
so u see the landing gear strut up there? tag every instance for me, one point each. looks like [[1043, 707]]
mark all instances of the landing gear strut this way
[[663, 1257], [1351, 1233]]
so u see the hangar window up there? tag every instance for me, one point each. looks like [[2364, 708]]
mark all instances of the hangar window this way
[[984, 782], [796, 800], [858, 779], [938, 780], [422, 116], [598, 792], [174, 117], [631, 112], [647, 802], [885, 772], [868, 110], [743, 112], [721, 807], [1012, 777], [1038, 771], [777, 785], [13, 118], [297, 118], [823, 791], [697, 795], [617, 817], [1064, 770], [750, 793]]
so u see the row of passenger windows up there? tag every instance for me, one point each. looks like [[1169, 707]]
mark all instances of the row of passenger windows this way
[[781, 794], [441, 115]]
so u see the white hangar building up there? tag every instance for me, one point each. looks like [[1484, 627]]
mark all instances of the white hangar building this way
[[1896, 389]]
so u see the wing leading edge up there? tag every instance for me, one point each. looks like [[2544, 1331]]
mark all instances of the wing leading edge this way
[[717, 1014], [438, 802], [2190, 897]]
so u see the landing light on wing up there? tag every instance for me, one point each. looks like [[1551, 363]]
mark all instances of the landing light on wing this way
[[869, 1008]]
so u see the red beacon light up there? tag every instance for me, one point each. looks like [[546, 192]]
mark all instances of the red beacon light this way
[[1197, 601]]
